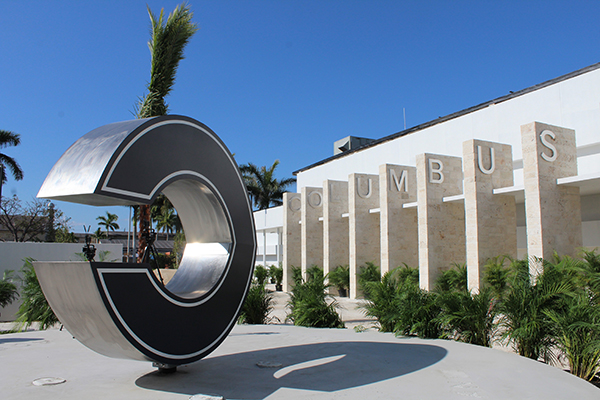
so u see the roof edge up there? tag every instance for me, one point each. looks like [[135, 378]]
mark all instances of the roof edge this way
[[454, 115]]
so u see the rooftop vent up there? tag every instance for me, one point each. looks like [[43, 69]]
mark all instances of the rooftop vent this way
[[349, 143]]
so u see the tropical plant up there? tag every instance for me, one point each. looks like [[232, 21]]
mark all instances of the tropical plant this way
[[309, 304], [109, 222], [451, 279], [178, 247], [367, 273], [265, 189], [257, 306], [468, 317], [495, 275], [166, 222], [7, 139], [276, 274], [261, 274], [340, 279], [98, 235], [314, 272], [35, 307], [383, 301], [167, 42], [576, 329], [524, 311], [296, 275], [418, 312], [8, 290]]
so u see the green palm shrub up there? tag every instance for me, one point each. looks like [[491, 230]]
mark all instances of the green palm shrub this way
[[576, 329], [418, 312], [8, 290], [524, 311], [276, 274], [309, 304], [468, 317], [495, 275], [296, 275], [368, 273], [383, 302], [261, 274], [340, 279], [257, 305], [451, 279], [34, 307]]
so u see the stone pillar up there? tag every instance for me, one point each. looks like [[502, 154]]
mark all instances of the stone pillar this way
[[311, 228], [553, 212], [335, 227], [398, 226], [291, 237], [490, 220], [363, 196], [441, 224]]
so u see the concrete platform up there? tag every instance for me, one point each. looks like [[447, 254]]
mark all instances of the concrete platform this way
[[286, 362]]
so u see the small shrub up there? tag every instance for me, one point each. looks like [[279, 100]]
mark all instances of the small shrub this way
[[34, 307], [308, 303], [257, 306], [383, 302], [340, 278], [8, 290], [452, 279], [577, 331], [467, 317], [261, 274], [276, 274], [368, 273], [495, 275], [296, 275]]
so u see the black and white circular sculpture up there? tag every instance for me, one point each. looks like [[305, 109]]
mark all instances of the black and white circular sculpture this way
[[121, 309]]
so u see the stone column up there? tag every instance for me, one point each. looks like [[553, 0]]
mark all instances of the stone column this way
[[490, 220], [441, 224], [335, 227], [291, 237], [398, 225], [553, 212], [311, 228], [363, 196]]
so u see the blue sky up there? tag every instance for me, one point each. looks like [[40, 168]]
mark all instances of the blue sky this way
[[274, 79]]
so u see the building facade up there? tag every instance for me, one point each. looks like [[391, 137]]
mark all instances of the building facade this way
[[518, 176]]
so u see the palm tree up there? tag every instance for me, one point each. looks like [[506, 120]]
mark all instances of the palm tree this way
[[166, 221], [109, 222], [167, 41], [262, 185], [7, 139]]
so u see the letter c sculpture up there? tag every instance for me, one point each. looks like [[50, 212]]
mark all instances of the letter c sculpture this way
[[121, 309]]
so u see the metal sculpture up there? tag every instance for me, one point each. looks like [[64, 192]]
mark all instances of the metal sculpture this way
[[121, 309]]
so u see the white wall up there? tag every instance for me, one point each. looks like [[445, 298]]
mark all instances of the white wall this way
[[13, 254], [573, 103]]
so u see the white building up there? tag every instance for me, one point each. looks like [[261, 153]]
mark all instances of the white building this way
[[453, 189]]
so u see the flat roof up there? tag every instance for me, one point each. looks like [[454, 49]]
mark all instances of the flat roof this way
[[448, 117]]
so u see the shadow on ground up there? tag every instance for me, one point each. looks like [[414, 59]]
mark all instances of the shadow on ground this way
[[326, 367]]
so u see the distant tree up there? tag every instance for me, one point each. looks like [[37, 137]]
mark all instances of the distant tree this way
[[109, 222], [27, 222], [7, 139], [98, 234], [265, 189], [167, 42]]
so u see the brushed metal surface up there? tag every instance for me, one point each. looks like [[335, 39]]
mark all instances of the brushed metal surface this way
[[111, 165]]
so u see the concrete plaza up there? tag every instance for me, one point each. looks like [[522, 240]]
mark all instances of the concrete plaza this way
[[286, 362]]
